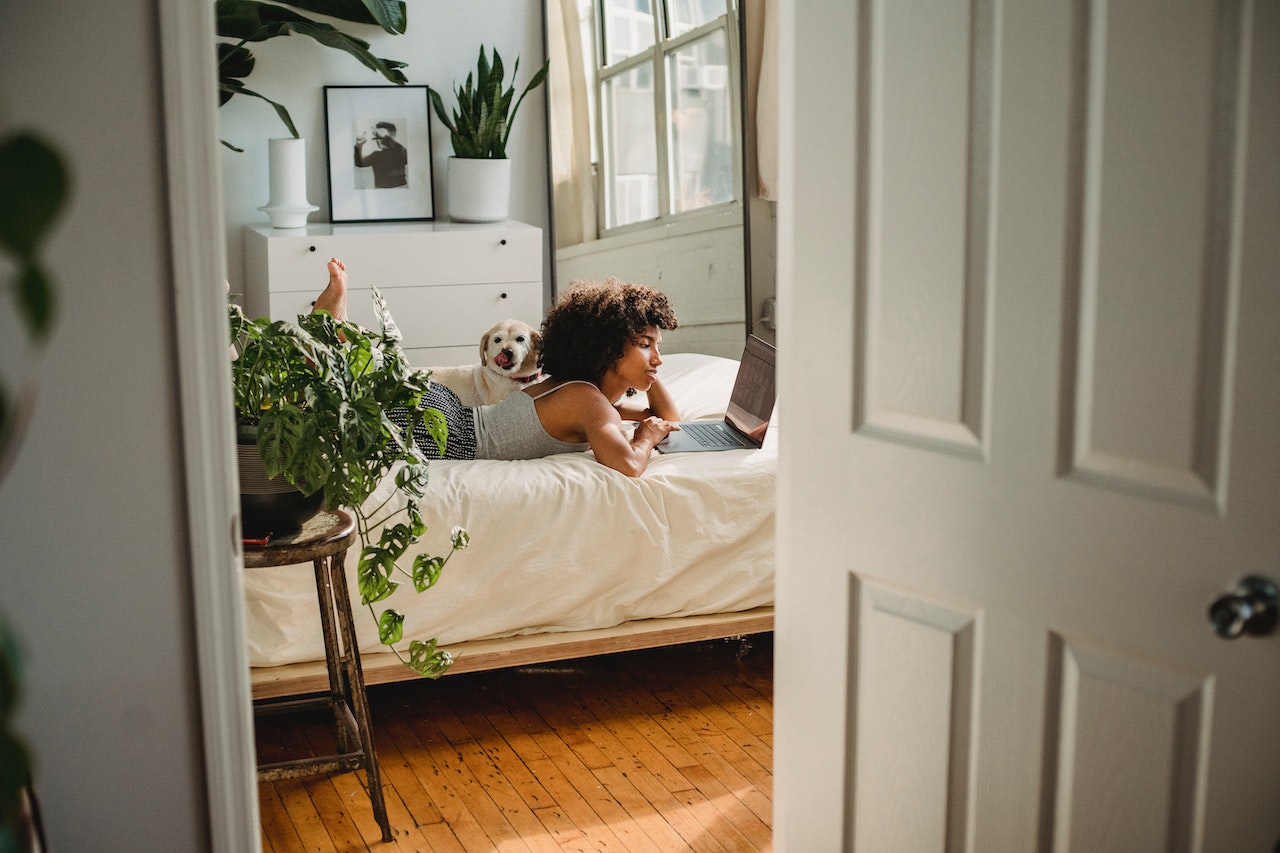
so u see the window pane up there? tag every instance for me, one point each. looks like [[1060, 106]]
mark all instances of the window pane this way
[[630, 140], [690, 14], [628, 28], [701, 124]]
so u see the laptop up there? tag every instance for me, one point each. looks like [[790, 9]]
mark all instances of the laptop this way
[[750, 407]]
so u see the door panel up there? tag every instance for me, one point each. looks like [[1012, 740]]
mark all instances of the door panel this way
[[1048, 234], [924, 281], [1154, 188], [1126, 764], [917, 743]]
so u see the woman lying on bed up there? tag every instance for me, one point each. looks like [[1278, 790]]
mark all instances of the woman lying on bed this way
[[600, 344]]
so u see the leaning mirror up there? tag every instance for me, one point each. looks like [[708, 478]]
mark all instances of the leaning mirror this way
[[645, 117]]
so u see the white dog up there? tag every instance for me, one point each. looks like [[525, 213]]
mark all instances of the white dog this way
[[508, 361]]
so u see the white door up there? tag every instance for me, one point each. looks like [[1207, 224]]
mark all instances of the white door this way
[[1029, 273]]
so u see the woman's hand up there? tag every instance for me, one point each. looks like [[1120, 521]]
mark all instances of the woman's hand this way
[[652, 430]]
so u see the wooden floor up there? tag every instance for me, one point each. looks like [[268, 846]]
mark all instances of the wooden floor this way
[[661, 750]]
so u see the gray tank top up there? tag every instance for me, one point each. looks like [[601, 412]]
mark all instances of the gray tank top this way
[[511, 429]]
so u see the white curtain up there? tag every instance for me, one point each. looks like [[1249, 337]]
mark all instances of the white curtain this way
[[767, 104], [572, 183]]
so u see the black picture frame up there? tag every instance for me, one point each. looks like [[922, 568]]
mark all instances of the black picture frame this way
[[389, 128]]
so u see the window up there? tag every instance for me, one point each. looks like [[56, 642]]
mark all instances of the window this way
[[666, 116]]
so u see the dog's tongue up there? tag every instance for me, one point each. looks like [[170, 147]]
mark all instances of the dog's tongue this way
[[502, 359]]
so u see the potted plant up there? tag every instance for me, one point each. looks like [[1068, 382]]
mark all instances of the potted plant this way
[[479, 178], [243, 21], [314, 395]]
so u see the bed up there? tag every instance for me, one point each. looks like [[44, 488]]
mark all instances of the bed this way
[[567, 558]]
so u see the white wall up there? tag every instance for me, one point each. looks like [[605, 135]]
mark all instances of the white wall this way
[[440, 44], [94, 571]]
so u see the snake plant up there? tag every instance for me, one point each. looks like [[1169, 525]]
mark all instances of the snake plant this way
[[481, 122]]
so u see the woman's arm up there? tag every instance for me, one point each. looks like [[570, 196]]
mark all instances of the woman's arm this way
[[661, 404], [604, 432]]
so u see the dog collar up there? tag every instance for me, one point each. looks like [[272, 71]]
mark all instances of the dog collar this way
[[525, 380]]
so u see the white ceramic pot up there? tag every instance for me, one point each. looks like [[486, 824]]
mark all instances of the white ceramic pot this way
[[288, 206], [479, 190]]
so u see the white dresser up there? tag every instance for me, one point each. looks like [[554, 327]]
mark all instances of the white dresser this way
[[446, 283]]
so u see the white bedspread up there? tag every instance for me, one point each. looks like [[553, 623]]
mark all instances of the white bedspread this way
[[564, 543]]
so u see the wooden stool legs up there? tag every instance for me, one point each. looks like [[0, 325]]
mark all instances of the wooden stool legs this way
[[355, 693], [346, 696]]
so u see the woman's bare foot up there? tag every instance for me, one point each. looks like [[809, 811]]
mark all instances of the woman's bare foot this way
[[334, 297]]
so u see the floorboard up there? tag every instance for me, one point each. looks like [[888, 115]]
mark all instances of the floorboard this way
[[653, 751]]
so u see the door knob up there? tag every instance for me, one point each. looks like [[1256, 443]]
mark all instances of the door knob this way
[[1251, 608]]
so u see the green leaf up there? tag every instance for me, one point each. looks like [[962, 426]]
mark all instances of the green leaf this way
[[426, 571], [35, 299], [412, 479], [372, 579], [460, 538], [330, 36], [426, 660], [228, 88], [235, 60], [11, 672], [388, 14], [396, 539], [437, 428], [35, 184], [390, 627]]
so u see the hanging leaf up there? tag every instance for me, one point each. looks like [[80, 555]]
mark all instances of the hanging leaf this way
[[426, 660], [390, 627], [388, 14]]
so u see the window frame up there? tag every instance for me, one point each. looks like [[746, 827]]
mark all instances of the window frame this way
[[656, 55]]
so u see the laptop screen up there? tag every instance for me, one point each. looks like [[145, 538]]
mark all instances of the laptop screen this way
[[754, 391]]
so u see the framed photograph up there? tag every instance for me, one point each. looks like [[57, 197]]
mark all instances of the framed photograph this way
[[378, 141]]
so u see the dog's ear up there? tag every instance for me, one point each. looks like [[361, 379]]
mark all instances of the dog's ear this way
[[484, 348], [535, 351]]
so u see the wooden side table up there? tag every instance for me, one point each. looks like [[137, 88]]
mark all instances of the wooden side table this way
[[324, 541]]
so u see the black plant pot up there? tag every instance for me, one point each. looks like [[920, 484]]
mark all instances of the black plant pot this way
[[270, 506]]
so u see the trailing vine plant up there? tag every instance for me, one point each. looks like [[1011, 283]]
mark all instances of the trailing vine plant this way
[[318, 391]]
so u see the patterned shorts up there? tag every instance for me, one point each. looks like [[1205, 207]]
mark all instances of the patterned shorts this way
[[460, 420]]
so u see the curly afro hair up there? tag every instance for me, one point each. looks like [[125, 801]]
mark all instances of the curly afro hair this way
[[587, 330]]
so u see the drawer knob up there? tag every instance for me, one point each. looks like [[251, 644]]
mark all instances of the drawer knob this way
[[503, 241], [504, 296], [311, 248]]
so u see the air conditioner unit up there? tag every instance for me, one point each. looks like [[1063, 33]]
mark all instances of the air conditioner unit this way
[[714, 76], [635, 199]]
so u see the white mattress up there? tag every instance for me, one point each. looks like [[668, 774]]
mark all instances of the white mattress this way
[[564, 543]]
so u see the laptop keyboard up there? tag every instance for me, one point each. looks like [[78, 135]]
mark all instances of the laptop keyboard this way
[[709, 434]]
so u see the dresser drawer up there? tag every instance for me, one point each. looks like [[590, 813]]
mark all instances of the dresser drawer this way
[[446, 283], [444, 316], [387, 257]]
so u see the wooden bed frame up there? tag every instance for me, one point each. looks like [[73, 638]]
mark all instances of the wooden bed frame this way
[[384, 667]]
